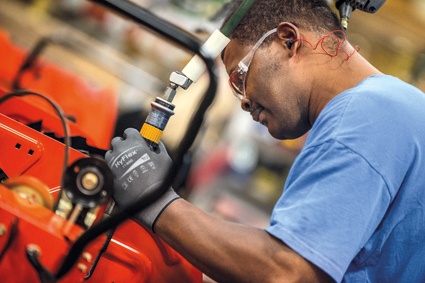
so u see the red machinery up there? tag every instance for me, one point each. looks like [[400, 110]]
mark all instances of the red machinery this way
[[34, 235]]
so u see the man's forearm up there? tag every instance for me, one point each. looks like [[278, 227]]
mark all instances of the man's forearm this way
[[227, 251]]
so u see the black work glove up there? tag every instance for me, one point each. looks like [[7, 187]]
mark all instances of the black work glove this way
[[138, 170]]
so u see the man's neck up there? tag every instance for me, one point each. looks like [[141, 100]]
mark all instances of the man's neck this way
[[335, 76]]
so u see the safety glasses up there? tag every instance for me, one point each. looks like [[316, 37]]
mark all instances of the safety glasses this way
[[237, 79]]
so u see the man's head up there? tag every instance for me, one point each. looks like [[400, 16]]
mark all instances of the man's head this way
[[313, 15], [270, 62]]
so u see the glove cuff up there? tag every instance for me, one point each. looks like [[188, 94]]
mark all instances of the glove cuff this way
[[150, 214], [162, 210]]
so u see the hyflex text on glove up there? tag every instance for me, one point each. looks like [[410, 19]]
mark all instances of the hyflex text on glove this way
[[138, 170]]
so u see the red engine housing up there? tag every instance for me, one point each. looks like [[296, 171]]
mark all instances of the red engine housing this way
[[134, 254]]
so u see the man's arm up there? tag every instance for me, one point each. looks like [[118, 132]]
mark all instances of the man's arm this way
[[230, 252], [223, 250]]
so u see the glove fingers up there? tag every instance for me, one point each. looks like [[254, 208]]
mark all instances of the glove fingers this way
[[133, 134], [108, 155], [129, 133], [115, 141]]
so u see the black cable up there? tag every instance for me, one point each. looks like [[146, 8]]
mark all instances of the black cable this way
[[132, 11], [13, 231], [109, 235], [30, 61], [58, 111], [33, 256]]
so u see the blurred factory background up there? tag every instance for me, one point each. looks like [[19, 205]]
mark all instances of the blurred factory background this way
[[234, 169]]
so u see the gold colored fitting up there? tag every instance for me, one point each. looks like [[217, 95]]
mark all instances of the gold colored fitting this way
[[151, 133], [90, 181]]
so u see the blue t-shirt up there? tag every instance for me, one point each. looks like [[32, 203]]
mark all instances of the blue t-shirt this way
[[354, 201]]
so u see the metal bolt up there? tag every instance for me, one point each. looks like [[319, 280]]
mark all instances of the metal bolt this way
[[34, 248], [82, 267], [90, 181], [180, 79], [87, 256], [89, 219], [3, 229]]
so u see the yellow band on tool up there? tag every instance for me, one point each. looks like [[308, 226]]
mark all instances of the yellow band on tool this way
[[151, 133]]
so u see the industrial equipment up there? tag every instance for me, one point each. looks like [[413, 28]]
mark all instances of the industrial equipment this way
[[346, 7], [46, 204], [57, 222], [56, 218]]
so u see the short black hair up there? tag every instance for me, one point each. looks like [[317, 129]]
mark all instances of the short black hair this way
[[313, 15]]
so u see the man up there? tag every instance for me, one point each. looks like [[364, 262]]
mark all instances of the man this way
[[353, 205]]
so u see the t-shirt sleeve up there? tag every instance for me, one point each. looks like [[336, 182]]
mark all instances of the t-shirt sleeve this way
[[327, 213]]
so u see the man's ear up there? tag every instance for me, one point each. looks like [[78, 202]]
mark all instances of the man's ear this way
[[288, 33]]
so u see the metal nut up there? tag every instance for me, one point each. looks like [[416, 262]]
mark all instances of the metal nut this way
[[87, 256], [180, 80], [3, 229], [82, 267], [90, 181]]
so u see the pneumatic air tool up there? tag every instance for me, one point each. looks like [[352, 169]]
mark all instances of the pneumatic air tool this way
[[162, 108], [346, 7]]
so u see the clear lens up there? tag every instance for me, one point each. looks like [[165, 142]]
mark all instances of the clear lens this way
[[237, 77], [237, 83]]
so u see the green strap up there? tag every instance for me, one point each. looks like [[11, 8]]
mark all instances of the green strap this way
[[236, 18]]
